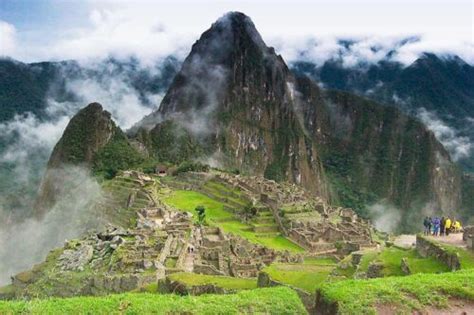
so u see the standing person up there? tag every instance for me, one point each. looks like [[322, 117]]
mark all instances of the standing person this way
[[456, 226], [448, 226], [427, 225], [442, 225], [430, 224], [436, 225]]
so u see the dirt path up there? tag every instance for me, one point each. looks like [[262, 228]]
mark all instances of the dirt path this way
[[454, 239], [409, 240], [455, 307]]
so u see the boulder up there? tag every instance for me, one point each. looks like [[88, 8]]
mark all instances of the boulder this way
[[76, 259], [375, 270], [404, 266]]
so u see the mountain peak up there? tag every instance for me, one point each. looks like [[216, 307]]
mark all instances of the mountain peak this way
[[230, 53], [231, 32], [432, 60]]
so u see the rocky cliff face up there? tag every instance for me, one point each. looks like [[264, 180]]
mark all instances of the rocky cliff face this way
[[240, 104], [234, 96], [91, 141], [236, 104], [372, 152]]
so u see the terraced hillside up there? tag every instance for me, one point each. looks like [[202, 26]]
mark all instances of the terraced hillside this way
[[228, 208], [256, 233]]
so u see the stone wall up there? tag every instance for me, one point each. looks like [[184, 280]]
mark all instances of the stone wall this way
[[427, 248], [166, 286], [468, 230], [207, 270], [116, 284]]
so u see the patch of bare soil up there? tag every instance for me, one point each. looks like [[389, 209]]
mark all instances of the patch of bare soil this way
[[455, 307], [405, 240], [454, 239]]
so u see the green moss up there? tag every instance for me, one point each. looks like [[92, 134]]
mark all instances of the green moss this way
[[170, 262], [279, 300]]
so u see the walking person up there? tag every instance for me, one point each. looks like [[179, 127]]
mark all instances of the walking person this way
[[436, 226], [427, 225], [448, 226]]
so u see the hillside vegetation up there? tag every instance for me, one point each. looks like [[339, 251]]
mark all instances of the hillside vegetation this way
[[278, 300], [403, 293]]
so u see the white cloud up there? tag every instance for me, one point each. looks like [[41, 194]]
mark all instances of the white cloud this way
[[7, 39], [385, 217], [458, 146], [155, 29]]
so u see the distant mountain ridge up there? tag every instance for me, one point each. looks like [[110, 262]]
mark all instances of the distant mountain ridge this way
[[442, 85], [27, 87], [237, 105], [261, 118]]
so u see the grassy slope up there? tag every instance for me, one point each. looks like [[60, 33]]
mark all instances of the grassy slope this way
[[307, 276], [411, 292], [278, 300], [466, 257], [391, 259], [216, 215], [193, 279]]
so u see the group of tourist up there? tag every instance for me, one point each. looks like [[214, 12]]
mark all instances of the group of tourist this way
[[441, 226]]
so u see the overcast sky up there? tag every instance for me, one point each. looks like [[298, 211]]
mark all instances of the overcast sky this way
[[55, 30]]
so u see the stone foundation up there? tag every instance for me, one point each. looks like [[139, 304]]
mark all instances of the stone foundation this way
[[427, 248]]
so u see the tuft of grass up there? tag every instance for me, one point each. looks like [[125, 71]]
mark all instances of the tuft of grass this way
[[193, 279], [407, 293], [277, 300]]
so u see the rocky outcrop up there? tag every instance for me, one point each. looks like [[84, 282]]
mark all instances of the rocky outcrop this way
[[379, 153], [234, 96], [91, 141]]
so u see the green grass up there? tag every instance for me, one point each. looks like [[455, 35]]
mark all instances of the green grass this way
[[407, 293], [323, 261], [216, 215], [308, 276], [193, 279], [277, 300], [170, 262], [466, 257]]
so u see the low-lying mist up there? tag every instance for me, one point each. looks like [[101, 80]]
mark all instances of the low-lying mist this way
[[27, 140], [25, 243]]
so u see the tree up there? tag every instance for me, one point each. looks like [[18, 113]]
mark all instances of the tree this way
[[201, 211], [249, 212]]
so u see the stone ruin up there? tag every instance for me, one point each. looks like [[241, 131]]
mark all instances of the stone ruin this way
[[165, 241], [305, 219], [468, 236], [220, 254]]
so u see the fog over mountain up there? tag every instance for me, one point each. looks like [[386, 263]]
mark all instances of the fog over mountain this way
[[281, 156]]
